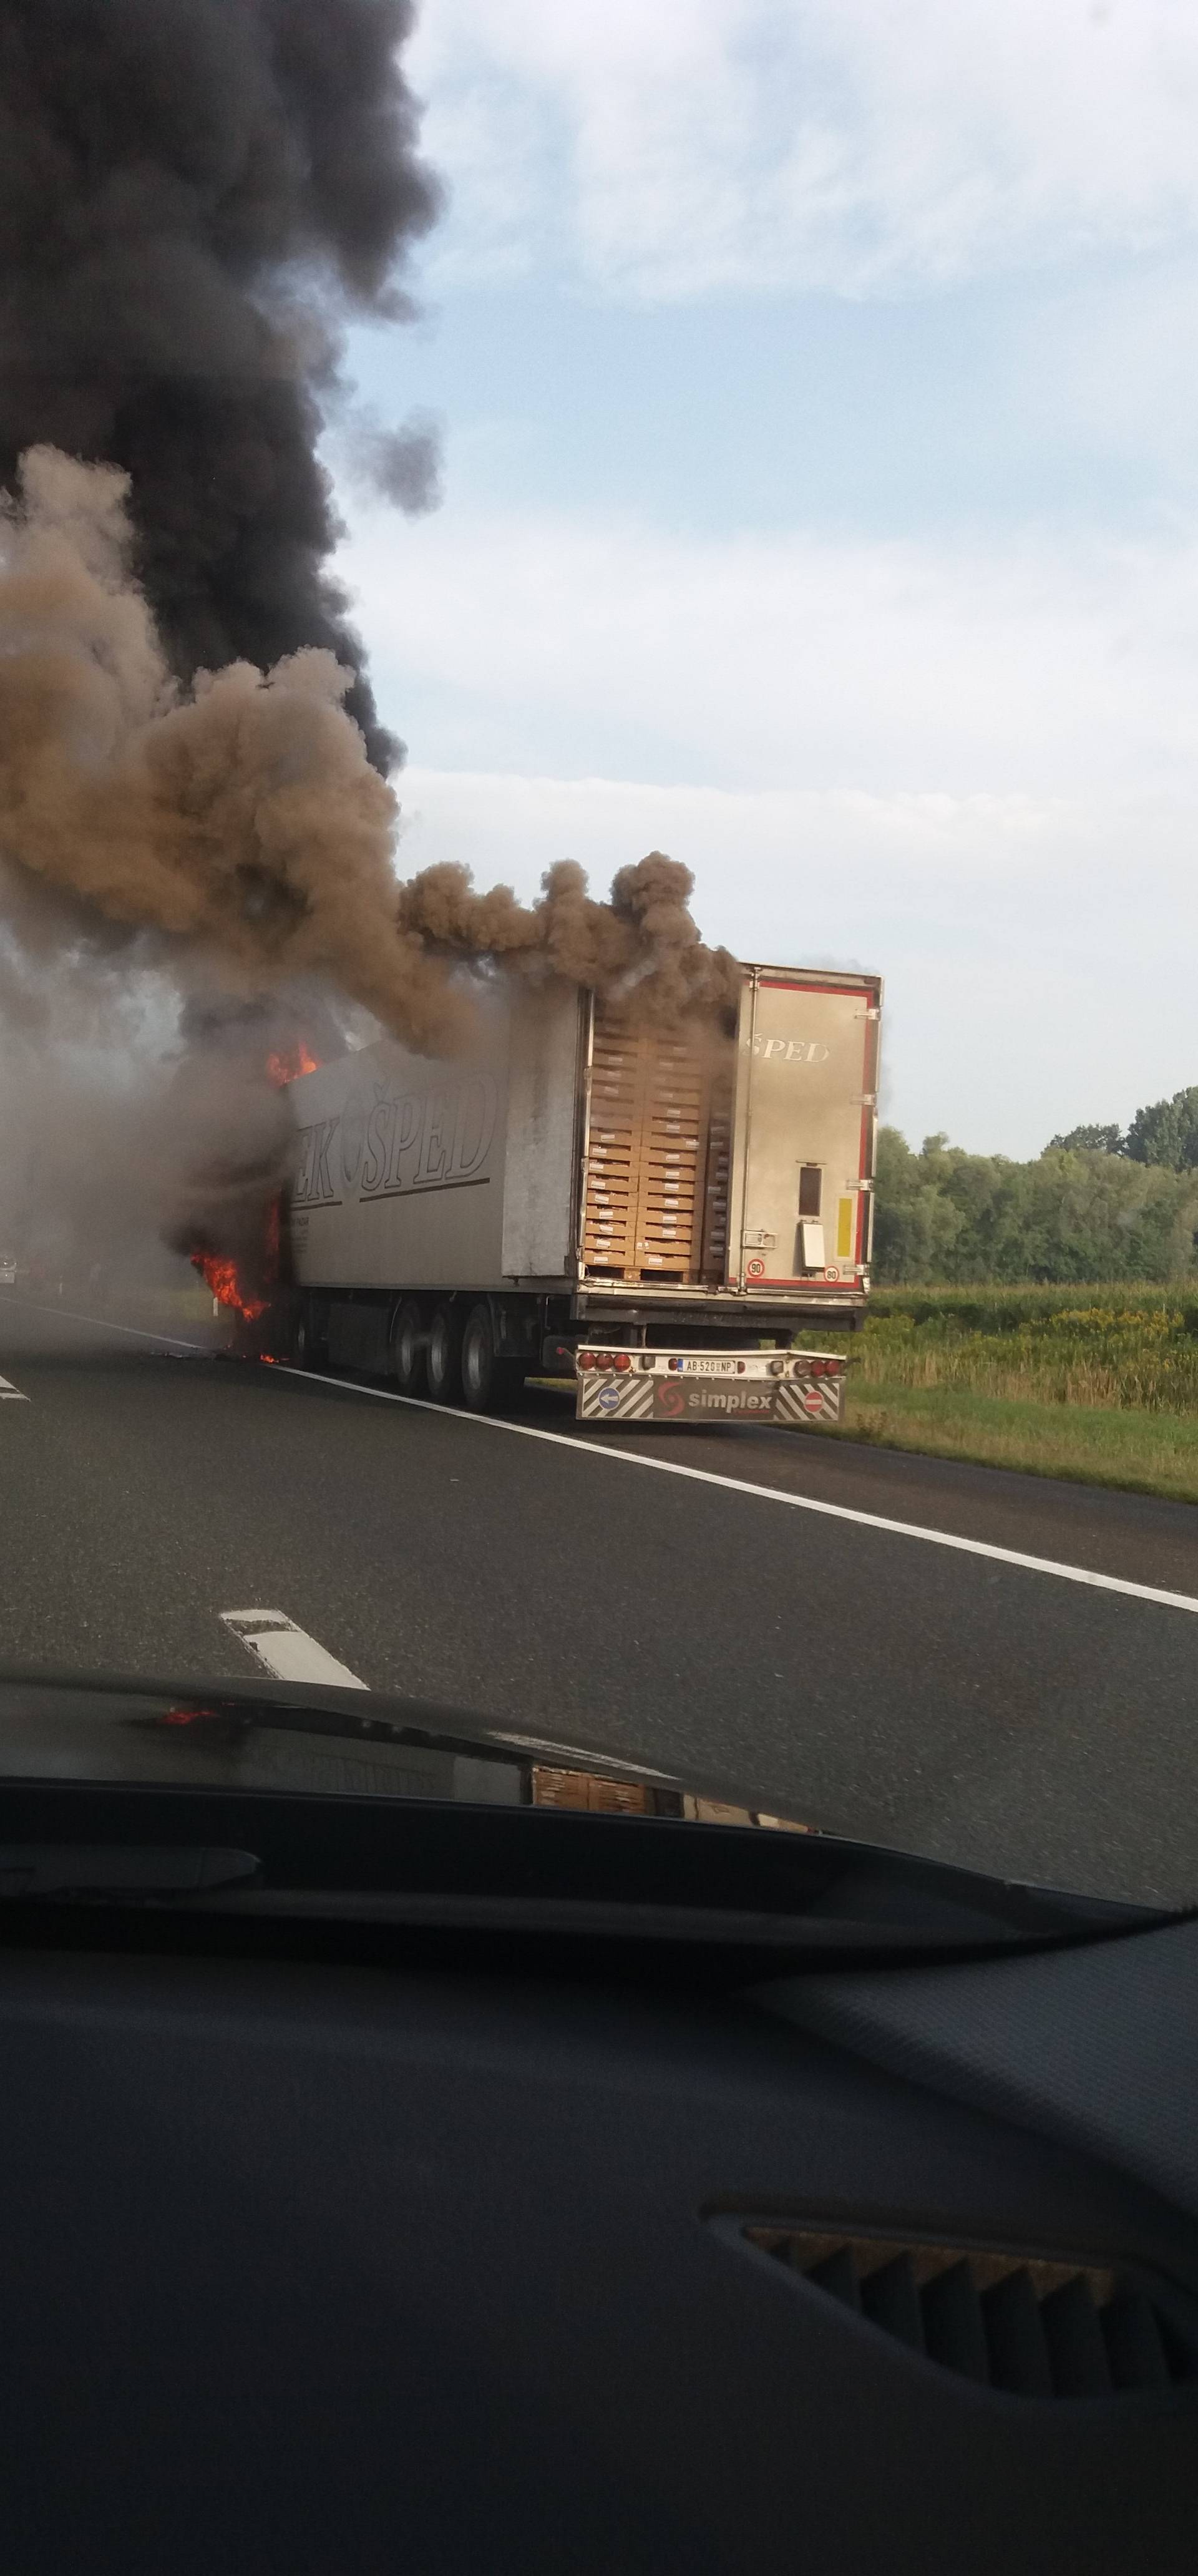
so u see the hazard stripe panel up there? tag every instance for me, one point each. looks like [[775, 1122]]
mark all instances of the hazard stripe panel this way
[[821, 1400], [628, 1399]]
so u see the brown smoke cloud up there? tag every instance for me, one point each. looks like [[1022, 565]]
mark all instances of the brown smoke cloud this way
[[242, 818], [642, 946]]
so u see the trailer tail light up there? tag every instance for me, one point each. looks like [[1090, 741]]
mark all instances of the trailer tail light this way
[[586, 1360], [622, 1360]]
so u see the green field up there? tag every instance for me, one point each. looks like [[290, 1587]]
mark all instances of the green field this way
[[1096, 1383]]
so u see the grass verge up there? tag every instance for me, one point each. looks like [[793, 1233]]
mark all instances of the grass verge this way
[[1145, 1453]]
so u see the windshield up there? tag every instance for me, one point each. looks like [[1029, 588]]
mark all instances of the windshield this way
[[600, 1124]]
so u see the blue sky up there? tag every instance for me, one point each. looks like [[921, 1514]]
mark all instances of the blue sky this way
[[820, 394]]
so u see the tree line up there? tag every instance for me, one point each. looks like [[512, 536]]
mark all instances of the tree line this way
[[1165, 1134], [1098, 1203]]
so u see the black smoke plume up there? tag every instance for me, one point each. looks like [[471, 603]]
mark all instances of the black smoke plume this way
[[402, 465], [194, 197]]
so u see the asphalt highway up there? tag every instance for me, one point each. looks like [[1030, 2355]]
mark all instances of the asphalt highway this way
[[843, 1665]]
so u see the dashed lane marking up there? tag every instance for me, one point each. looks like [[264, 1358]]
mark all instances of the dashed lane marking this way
[[287, 1651], [10, 1394]]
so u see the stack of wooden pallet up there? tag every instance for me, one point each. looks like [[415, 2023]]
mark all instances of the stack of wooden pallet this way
[[658, 1148]]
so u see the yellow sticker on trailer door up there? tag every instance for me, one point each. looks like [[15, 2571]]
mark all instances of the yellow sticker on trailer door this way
[[844, 1230]]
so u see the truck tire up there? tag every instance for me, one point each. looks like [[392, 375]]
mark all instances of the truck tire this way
[[487, 1382], [444, 1357], [409, 1349]]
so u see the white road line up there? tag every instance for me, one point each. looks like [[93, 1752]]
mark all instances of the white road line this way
[[174, 1341], [287, 1651], [10, 1394], [762, 1493]]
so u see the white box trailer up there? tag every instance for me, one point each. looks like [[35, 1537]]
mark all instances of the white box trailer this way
[[584, 1193]]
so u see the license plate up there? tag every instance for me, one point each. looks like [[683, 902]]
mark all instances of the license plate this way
[[708, 1368]]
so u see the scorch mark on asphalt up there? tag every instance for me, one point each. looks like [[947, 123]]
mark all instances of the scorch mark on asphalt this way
[[759, 1493]]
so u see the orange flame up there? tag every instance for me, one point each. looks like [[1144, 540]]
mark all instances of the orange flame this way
[[222, 1279], [287, 1067]]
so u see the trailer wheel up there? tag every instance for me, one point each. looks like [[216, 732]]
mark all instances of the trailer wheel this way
[[444, 1358], [409, 1349], [487, 1382]]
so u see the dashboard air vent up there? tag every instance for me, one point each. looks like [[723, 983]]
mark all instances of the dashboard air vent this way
[[1011, 2321]]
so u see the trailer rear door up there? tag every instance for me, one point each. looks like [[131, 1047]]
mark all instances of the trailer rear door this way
[[655, 1192], [805, 1119]]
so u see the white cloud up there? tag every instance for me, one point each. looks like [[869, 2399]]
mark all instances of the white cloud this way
[[970, 762], [1035, 665], [1030, 948], [1107, 368], [687, 146], [974, 769]]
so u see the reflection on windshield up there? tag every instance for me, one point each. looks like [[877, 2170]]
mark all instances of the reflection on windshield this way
[[49, 1731]]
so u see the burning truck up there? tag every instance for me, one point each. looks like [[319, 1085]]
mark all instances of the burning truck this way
[[589, 1142], [655, 1212]]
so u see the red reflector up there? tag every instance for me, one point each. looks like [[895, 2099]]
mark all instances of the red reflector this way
[[622, 1360], [586, 1359]]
